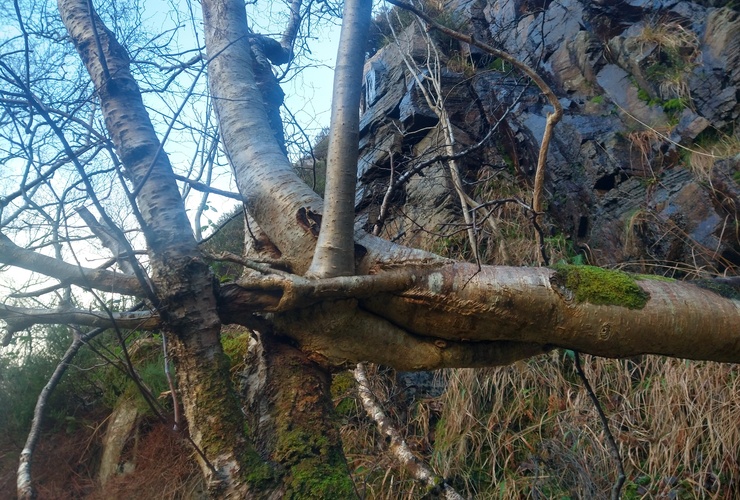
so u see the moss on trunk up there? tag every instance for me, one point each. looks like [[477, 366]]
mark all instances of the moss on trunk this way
[[599, 286], [294, 424]]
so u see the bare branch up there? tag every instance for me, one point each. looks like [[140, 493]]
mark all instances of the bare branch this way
[[397, 446], [98, 279], [24, 484], [110, 239], [20, 318]]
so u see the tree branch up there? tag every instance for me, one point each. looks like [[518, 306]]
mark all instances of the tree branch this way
[[110, 239], [98, 279], [20, 318]]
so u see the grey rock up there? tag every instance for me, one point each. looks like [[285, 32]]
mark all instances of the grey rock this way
[[617, 84], [616, 184]]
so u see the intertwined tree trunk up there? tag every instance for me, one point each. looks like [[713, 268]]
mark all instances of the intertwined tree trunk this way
[[376, 302]]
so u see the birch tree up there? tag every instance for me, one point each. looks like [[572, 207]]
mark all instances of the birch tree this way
[[318, 293]]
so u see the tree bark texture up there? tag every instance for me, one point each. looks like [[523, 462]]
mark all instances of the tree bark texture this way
[[335, 249], [182, 280]]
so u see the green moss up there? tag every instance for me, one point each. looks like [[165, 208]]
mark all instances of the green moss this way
[[343, 391], [225, 419], [236, 346], [500, 65], [258, 473], [311, 480], [643, 95], [600, 286], [316, 469], [342, 383], [675, 105]]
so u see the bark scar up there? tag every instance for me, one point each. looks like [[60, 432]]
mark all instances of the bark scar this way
[[309, 220]]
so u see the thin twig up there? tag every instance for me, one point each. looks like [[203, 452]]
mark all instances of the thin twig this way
[[616, 489]]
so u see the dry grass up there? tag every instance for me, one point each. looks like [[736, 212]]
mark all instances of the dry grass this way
[[646, 158], [676, 54], [658, 245], [165, 469], [376, 474], [672, 38], [506, 232], [530, 429], [703, 155]]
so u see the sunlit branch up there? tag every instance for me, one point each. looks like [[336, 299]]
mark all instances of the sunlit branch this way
[[99, 279]]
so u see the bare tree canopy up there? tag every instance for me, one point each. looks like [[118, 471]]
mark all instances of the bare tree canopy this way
[[110, 166]]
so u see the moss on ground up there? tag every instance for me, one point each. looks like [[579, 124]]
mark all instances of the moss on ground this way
[[600, 286]]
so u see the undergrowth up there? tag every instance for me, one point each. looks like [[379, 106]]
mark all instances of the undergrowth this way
[[529, 430]]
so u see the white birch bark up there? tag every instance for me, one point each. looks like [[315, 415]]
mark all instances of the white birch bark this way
[[335, 249]]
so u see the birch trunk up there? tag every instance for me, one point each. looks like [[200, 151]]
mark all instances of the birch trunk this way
[[335, 249], [182, 283]]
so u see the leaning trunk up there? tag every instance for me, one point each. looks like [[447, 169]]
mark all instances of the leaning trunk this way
[[181, 286]]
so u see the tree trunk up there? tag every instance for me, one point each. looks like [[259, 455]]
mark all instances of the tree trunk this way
[[182, 282], [335, 249], [291, 417]]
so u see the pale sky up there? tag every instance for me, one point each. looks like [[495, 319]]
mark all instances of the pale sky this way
[[308, 95]]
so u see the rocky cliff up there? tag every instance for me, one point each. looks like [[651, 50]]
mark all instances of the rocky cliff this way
[[644, 167]]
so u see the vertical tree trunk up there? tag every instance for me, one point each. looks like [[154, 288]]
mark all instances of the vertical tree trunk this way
[[183, 286], [291, 418], [334, 254]]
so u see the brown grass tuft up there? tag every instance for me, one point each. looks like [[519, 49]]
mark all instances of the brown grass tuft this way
[[530, 429], [165, 469]]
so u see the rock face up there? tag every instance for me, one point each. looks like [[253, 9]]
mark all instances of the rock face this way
[[644, 167]]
